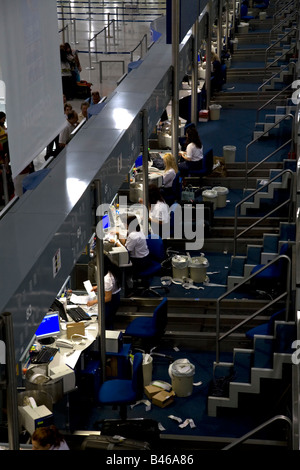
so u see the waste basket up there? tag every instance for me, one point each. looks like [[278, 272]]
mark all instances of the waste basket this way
[[214, 112], [222, 195], [198, 266], [147, 368], [180, 266], [229, 153], [210, 195], [182, 374]]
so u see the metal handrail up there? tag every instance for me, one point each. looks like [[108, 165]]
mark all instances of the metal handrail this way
[[246, 436], [282, 9], [281, 23], [290, 64], [236, 235], [139, 44], [280, 57], [268, 156], [288, 33], [289, 115], [246, 320]]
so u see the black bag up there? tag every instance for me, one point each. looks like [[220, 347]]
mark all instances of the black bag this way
[[142, 429], [112, 443]]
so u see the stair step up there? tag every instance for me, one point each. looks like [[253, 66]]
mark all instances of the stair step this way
[[242, 365], [287, 231], [270, 243], [254, 254], [237, 266], [263, 352], [285, 334]]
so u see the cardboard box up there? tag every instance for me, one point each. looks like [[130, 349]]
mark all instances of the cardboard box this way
[[163, 398], [76, 328], [151, 390], [113, 341]]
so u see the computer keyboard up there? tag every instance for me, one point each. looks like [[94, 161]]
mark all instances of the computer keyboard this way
[[45, 355], [78, 314]]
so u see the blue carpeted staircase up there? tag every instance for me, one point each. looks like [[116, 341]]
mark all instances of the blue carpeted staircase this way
[[249, 366]]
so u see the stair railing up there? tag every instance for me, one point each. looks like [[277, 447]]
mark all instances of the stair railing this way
[[293, 47], [282, 68], [289, 115], [281, 23], [278, 41], [262, 426], [282, 10], [288, 201], [286, 294]]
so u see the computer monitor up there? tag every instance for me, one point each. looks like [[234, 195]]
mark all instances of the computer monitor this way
[[49, 329], [106, 222]]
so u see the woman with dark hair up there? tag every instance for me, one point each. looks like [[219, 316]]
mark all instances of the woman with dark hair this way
[[112, 288], [158, 210], [66, 75], [192, 158], [73, 58], [48, 438]]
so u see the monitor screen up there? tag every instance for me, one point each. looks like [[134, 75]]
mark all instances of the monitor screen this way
[[49, 327], [105, 222]]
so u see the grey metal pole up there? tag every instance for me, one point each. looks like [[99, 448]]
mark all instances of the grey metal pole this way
[[220, 16], [4, 182], [175, 62], [208, 56], [145, 170], [12, 396], [194, 98], [100, 288]]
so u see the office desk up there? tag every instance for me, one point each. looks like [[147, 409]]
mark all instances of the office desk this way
[[64, 362]]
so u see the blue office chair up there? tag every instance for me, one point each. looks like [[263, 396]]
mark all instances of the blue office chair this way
[[123, 392], [270, 278], [145, 332], [173, 194], [207, 165], [244, 12], [266, 329], [157, 251]]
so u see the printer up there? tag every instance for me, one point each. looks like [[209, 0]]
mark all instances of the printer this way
[[32, 417]]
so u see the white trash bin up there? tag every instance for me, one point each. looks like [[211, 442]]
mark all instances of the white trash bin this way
[[210, 195], [182, 374], [147, 368], [229, 153], [214, 112], [180, 266], [222, 195], [243, 28], [234, 43], [198, 266]]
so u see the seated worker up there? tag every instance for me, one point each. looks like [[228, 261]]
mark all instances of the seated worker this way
[[216, 75], [192, 158], [182, 140], [158, 210], [112, 292], [136, 244], [65, 134], [83, 111], [48, 438], [170, 170]]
